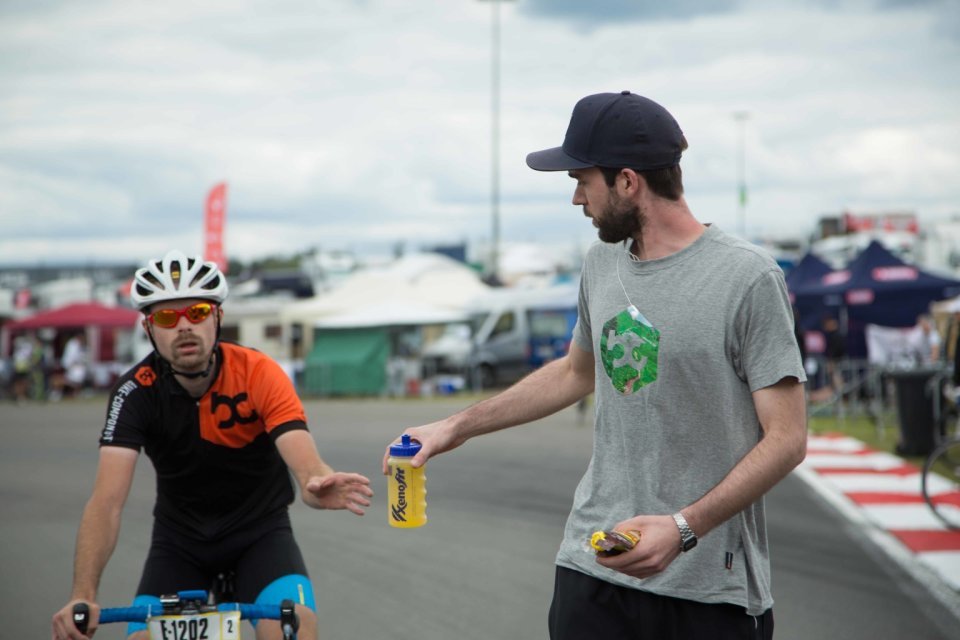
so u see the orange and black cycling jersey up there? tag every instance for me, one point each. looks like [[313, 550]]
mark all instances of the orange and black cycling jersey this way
[[217, 466]]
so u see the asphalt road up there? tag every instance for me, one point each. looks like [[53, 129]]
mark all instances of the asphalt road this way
[[482, 568]]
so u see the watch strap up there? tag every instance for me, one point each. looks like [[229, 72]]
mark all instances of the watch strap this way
[[688, 539]]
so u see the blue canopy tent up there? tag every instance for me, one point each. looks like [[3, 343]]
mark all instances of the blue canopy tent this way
[[877, 287], [808, 271]]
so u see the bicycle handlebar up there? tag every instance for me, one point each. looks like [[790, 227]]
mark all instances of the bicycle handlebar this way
[[140, 614], [81, 613]]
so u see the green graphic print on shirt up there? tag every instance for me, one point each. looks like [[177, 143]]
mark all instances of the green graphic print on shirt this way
[[629, 346]]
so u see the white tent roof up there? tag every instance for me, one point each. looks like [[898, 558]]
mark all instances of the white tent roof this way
[[427, 281], [554, 296], [392, 314]]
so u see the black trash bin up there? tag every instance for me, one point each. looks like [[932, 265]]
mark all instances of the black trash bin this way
[[915, 409]]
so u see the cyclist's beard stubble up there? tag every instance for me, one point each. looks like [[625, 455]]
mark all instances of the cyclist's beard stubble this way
[[620, 221], [188, 352]]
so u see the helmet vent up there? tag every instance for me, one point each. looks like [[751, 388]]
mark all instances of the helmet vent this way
[[198, 279]]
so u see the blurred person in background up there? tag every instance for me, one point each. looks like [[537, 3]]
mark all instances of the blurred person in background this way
[[923, 342], [75, 362], [28, 375], [835, 351]]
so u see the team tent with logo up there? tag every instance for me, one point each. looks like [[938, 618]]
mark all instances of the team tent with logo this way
[[877, 288], [809, 270]]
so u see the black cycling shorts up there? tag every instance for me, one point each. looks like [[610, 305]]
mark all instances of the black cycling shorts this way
[[257, 556], [586, 608]]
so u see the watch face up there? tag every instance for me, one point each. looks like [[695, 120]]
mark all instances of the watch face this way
[[689, 543]]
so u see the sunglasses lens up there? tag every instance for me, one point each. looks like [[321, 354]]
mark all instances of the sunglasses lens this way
[[198, 312], [165, 317]]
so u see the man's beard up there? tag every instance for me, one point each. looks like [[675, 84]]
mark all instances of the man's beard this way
[[192, 362], [620, 221]]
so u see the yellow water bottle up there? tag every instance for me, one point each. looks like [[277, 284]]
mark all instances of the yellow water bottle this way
[[406, 486]]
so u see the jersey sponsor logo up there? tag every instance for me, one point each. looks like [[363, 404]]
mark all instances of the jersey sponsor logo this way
[[232, 403], [229, 420], [116, 405], [248, 399], [145, 376], [629, 351]]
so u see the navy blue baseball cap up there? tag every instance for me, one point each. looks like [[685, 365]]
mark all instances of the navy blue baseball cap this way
[[618, 130]]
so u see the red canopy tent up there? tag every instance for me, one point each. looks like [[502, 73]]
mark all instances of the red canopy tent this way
[[74, 316], [99, 321]]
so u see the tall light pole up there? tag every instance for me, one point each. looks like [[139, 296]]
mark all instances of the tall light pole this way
[[495, 140], [741, 118]]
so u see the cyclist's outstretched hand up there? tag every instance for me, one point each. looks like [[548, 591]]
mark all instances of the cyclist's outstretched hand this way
[[63, 627], [339, 490]]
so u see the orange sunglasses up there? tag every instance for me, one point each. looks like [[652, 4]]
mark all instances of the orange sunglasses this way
[[195, 313]]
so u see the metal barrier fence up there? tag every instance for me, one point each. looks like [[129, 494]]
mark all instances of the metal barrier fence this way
[[855, 388]]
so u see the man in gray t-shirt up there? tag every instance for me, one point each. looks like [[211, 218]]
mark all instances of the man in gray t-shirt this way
[[685, 335]]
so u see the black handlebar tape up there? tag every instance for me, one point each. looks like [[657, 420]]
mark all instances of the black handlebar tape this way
[[81, 616], [288, 615]]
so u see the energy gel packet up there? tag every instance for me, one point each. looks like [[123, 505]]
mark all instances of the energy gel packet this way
[[611, 543]]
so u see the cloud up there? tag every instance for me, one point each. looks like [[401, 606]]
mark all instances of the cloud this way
[[363, 124], [584, 15]]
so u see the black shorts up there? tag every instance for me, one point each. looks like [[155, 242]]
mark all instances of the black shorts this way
[[585, 608], [257, 556]]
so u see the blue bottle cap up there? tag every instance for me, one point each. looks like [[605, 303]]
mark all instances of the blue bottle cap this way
[[405, 447]]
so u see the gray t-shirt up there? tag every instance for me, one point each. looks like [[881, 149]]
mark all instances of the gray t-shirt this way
[[674, 412]]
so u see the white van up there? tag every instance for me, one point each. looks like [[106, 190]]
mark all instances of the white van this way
[[513, 331]]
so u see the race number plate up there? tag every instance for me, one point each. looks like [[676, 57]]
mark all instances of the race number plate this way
[[216, 625]]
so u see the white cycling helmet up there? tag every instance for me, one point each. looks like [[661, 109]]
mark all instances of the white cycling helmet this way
[[175, 277]]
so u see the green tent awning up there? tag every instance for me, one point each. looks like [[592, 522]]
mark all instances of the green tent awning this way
[[347, 362]]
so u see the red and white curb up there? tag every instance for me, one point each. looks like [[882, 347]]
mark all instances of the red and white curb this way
[[882, 490]]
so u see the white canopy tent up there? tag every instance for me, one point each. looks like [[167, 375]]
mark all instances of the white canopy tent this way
[[391, 313], [420, 283]]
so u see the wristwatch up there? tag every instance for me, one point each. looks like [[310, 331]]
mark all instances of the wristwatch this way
[[688, 539]]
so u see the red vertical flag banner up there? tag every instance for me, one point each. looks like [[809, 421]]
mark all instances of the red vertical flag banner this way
[[214, 219]]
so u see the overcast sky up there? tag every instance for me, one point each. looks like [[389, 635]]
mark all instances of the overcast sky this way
[[358, 124]]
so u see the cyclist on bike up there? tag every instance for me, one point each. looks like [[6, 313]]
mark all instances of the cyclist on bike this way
[[222, 425]]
